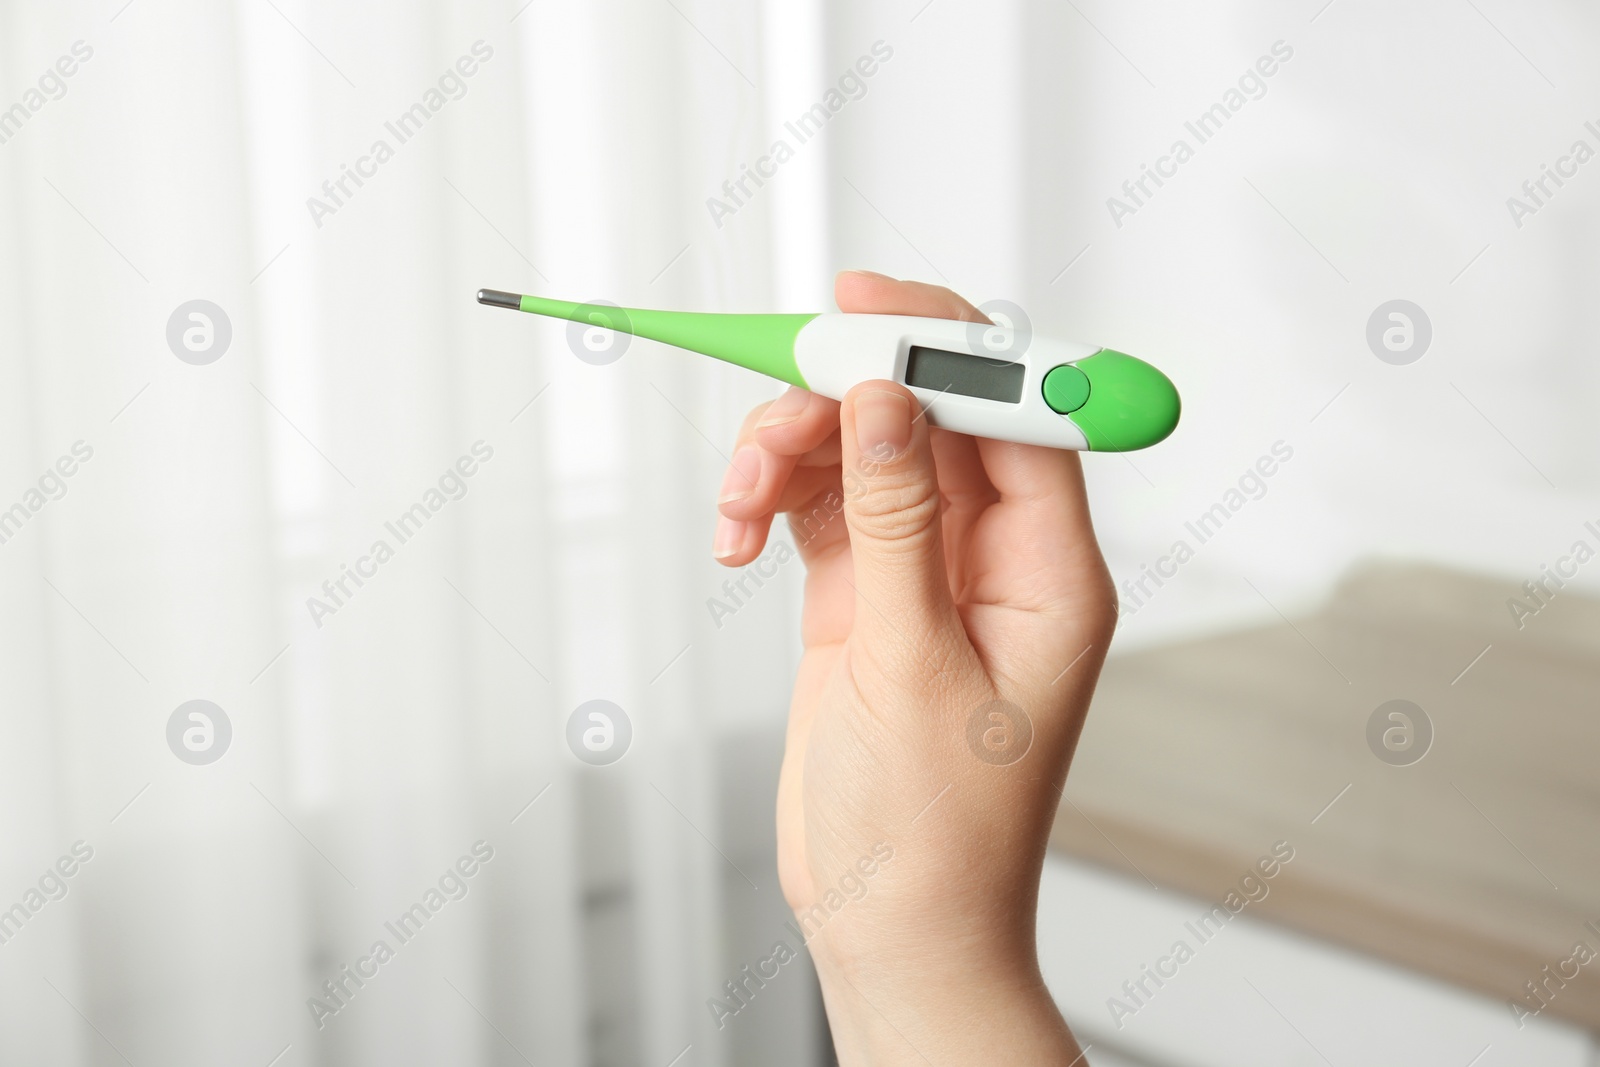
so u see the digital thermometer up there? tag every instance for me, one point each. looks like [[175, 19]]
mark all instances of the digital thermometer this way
[[973, 378]]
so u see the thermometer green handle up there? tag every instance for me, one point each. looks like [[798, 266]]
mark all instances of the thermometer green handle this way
[[988, 381]]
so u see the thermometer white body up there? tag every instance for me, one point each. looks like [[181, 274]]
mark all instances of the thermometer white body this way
[[835, 352]]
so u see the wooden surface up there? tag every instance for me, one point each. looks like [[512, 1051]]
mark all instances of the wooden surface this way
[[1479, 864]]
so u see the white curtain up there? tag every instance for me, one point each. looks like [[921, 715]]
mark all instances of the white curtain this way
[[383, 731]]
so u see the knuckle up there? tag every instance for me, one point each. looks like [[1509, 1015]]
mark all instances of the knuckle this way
[[896, 508]]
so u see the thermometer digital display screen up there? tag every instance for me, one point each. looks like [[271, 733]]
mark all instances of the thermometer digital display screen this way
[[940, 371]]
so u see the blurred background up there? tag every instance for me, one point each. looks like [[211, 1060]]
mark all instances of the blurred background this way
[[239, 351]]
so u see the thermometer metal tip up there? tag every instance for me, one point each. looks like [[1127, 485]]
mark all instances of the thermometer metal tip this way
[[495, 298]]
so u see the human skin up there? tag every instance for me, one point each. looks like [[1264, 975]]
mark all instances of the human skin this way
[[943, 573]]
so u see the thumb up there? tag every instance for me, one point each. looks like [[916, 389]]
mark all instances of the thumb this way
[[904, 611]]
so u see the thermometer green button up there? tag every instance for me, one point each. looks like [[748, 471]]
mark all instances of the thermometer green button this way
[[1066, 389]]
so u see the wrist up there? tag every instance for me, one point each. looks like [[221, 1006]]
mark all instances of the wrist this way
[[969, 1007]]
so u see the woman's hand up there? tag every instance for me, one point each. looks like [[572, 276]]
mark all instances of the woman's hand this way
[[957, 611]]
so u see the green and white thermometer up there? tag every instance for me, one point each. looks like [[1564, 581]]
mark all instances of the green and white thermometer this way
[[972, 378]]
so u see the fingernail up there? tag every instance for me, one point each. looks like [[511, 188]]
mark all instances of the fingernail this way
[[788, 407], [729, 537], [883, 424], [743, 474], [870, 274]]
